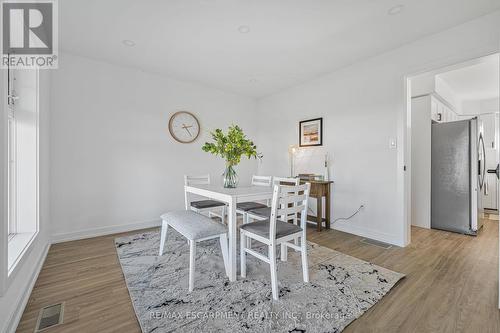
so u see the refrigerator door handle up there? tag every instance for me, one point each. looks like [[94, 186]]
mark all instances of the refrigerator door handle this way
[[495, 171], [482, 163]]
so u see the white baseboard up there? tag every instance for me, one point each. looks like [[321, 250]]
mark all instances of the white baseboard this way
[[103, 231], [21, 305], [368, 233]]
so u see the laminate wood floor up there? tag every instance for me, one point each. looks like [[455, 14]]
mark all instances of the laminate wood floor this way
[[451, 284]]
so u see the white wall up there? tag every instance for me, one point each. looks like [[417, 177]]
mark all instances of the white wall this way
[[20, 282], [364, 107], [423, 84], [475, 107], [444, 91], [114, 164], [421, 161], [430, 83]]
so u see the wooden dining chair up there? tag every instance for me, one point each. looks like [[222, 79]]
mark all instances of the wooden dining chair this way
[[276, 231], [243, 207], [213, 207]]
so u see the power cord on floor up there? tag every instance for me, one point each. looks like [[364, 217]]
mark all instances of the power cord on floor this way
[[348, 218], [342, 218]]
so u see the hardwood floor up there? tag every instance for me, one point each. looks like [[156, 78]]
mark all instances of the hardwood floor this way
[[451, 284]]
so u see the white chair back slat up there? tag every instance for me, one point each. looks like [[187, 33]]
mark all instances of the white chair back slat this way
[[261, 180], [289, 210], [193, 180], [288, 200], [196, 180], [287, 181], [294, 189], [291, 199]]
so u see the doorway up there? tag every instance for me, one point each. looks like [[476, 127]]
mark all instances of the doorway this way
[[444, 104], [465, 95]]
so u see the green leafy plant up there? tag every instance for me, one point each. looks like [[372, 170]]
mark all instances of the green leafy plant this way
[[231, 146]]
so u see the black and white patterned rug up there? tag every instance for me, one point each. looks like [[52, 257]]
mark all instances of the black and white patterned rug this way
[[341, 289]]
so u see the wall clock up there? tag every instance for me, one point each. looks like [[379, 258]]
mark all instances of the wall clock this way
[[184, 127]]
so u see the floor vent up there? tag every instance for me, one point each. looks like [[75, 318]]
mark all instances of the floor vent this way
[[376, 243], [50, 316]]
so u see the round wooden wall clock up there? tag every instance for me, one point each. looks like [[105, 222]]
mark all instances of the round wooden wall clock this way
[[184, 127]]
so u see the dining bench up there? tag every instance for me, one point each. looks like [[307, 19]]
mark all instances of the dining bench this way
[[196, 228]]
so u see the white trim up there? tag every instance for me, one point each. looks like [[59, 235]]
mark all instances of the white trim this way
[[3, 183], [102, 231], [404, 179], [11, 171], [368, 233], [13, 260], [26, 239], [21, 305]]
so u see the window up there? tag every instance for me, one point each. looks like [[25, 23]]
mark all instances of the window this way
[[22, 167], [11, 170]]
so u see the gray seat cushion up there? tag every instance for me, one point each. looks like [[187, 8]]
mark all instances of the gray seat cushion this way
[[193, 225], [246, 206], [202, 204], [262, 212], [261, 228]]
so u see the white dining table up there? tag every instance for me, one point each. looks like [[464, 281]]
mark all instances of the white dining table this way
[[230, 196]]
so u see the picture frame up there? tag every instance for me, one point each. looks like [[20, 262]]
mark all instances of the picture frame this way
[[311, 132]]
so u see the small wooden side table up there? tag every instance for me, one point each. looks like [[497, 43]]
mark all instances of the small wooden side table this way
[[320, 189]]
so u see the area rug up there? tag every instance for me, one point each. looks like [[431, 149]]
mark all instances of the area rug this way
[[341, 289]]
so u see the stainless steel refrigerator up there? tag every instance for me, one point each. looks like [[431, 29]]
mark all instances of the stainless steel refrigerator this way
[[457, 176]]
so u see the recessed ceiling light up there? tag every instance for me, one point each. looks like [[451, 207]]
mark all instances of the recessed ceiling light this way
[[244, 29], [128, 42], [395, 10]]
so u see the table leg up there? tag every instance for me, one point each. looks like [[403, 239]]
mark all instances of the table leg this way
[[231, 217], [327, 208], [319, 212]]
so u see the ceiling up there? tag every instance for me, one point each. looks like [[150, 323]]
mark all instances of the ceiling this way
[[476, 82], [251, 47]]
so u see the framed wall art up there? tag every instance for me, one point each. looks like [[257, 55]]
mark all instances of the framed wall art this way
[[311, 132]]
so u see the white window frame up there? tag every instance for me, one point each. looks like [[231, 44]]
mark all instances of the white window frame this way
[[20, 242], [11, 173]]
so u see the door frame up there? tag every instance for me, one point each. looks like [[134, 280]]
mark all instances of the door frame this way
[[433, 70], [497, 134]]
